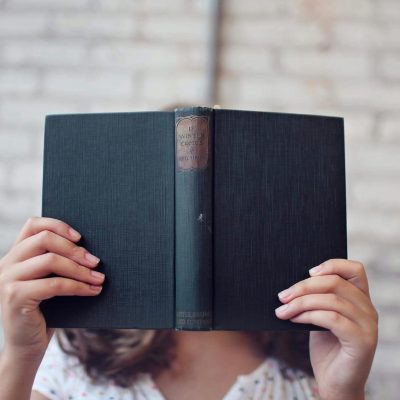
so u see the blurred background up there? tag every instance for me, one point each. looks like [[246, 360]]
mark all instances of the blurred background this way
[[338, 57]]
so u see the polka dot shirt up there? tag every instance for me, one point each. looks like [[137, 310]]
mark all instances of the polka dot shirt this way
[[61, 377]]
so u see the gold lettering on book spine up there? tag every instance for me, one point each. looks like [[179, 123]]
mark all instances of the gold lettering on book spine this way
[[192, 137]]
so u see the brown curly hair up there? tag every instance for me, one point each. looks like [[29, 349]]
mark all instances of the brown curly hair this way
[[120, 354]]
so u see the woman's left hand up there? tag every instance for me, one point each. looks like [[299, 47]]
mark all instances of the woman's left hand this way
[[337, 298]]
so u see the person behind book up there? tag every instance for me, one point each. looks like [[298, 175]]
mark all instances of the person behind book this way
[[166, 364]]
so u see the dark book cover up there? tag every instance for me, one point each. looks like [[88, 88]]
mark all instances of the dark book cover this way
[[199, 216]]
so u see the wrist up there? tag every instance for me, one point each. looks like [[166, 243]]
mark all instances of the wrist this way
[[21, 359], [356, 396]]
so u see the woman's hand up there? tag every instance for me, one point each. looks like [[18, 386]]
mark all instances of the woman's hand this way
[[44, 246], [336, 297]]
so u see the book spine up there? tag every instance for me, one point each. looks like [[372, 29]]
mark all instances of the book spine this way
[[193, 218]]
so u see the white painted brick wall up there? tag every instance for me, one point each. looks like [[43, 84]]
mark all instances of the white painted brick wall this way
[[336, 57]]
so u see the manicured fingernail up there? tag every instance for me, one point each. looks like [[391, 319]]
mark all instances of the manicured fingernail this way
[[285, 293], [96, 288], [314, 270], [281, 308], [74, 234], [98, 275], [92, 258]]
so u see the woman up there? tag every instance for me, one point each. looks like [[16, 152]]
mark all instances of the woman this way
[[184, 365]]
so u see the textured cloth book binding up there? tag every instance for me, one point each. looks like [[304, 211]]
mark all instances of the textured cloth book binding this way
[[200, 216]]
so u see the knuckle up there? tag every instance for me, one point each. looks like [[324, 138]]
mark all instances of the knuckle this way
[[44, 236], [9, 292], [78, 270], [78, 251], [3, 280], [56, 284], [370, 337], [375, 314], [327, 264], [50, 258], [298, 303], [335, 300], [334, 317], [359, 267], [334, 281], [31, 221], [301, 287]]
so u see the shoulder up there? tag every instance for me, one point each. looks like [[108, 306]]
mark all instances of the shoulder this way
[[293, 382], [275, 380], [61, 375]]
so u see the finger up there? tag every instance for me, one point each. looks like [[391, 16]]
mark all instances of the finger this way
[[18, 293], [353, 271], [327, 284], [47, 241], [35, 225], [344, 329], [328, 302], [45, 264]]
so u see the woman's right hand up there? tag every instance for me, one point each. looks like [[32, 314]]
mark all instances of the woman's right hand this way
[[44, 246]]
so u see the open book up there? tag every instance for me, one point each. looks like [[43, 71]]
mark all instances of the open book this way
[[200, 216]]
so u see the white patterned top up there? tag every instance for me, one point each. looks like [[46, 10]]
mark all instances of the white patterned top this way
[[61, 377]]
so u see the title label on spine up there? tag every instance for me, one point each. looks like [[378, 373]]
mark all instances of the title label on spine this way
[[192, 137]]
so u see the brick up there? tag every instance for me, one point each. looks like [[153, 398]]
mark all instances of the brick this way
[[389, 326], [173, 28], [23, 5], [376, 226], [19, 205], [88, 84], [371, 95], [15, 144], [372, 160], [359, 250], [181, 88], [355, 34], [61, 53], [388, 10], [327, 64], [3, 175], [384, 291], [387, 258], [389, 129], [22, 24], [253, 8], [383, 386], [328, 11], [389, 66], [28, 114], [273, 32], [8, 234], [1, 336], [358, 127], [145, 7], [281, 91], [18, 82], [137, 56], [387, 361], [377, 192], [26, 176], [94, 25], [240, 59]]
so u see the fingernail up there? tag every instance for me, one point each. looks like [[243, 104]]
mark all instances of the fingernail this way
[[92, 258], [97, 274], [95, 288], [281, 308], [314, 270], [74, 234], [285, 293]]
